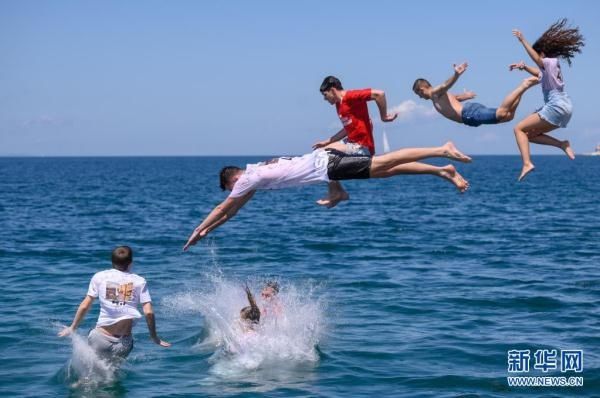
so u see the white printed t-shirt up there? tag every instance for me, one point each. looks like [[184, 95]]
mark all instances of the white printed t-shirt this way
[[284, 172], [120, 294]]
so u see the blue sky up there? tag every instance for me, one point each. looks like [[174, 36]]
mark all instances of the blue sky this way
[[82, 78]]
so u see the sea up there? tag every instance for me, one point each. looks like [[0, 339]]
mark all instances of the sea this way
[[409, 289]]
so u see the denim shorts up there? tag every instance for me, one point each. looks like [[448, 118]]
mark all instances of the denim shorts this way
[[557, 109], [475, 114]]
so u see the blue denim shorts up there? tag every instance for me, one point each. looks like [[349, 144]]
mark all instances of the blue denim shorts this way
[[557, 109], [475, 114]]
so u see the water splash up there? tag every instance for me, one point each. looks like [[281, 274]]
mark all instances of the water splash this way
[[85, 369], [279, 344]]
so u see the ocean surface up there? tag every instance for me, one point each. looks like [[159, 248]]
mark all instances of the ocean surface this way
[[410, 289]]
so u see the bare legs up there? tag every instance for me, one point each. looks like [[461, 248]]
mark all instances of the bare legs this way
[[404, 161], [506, 110], [533, 128], [336, 192], [447, 172], [381, 165]]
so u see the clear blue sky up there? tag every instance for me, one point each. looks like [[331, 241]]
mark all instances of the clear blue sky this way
[[242, 77]]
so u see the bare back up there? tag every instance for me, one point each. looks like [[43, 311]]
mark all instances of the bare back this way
[[121, 328], [448, 105]]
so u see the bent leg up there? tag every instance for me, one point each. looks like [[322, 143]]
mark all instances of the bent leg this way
[[506, 110], [545, 139], [528, 128], [381, 164], [447, 172], [336, 192]]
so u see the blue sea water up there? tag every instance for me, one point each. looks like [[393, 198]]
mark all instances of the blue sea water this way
[[409, 289]]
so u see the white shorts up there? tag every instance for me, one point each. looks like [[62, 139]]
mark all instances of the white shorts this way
[[110, 347]]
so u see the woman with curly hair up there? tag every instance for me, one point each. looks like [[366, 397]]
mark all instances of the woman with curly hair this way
[[559, 41]]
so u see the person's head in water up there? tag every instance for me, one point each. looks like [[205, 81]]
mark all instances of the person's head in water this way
[[331, 89], [270, 290], [229, 176], [559, 41], [251, 313], [122, 257], [422, 88]]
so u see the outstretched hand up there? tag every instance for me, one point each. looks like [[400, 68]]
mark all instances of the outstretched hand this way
[[320, 144], [160, 342], [517, 33], [469, 94], [390, 117], [518, 65], [195, 237], [459, 69], [65, 332]]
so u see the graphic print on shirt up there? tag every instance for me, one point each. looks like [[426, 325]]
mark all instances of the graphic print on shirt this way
[[119, 294]]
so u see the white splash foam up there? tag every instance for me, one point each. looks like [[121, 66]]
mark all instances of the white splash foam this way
[[85, 368], [284, 341]]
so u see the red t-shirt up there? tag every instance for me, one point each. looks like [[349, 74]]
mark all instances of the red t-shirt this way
[[354, 115]]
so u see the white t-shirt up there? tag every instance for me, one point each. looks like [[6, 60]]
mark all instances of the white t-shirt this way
[[120, 294], [284, 172]]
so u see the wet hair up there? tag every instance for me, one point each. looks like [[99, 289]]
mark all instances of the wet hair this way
[[560, 41], [331, 82], [225, 175], [122, 257], [273, 285], [420, 82], [252, 312]]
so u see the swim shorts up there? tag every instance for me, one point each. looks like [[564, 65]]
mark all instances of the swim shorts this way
[[342, 166], [475, 114]]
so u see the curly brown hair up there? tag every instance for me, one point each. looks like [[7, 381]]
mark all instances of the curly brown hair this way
[[560, 41]]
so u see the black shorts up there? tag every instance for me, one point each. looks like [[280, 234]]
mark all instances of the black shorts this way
[[342, 166]]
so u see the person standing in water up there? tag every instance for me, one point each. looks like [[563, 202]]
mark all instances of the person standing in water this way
[[559, 41], [120, 292]]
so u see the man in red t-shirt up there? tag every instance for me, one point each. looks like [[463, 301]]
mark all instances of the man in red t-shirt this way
[[357, 130]]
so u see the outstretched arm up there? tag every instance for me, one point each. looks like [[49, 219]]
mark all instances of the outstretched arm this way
[[521, 66], [338, 136], [220, 215], [379, 97], [149, 313], [83, 309], [444, 87], [251, 301], [530, 51]]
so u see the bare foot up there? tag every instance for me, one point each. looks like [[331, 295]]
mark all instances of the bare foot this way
[[449, 172], [531, 81], [332, 201], [566, 146], [451, 152], [526, 170]]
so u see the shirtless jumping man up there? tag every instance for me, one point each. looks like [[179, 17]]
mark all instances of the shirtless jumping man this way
[[471, 113]]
